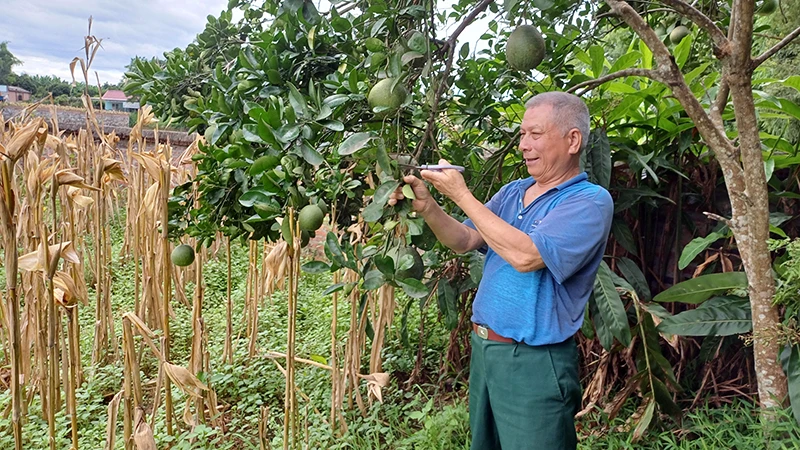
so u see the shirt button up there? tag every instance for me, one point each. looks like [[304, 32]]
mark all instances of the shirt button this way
[[519, 217]]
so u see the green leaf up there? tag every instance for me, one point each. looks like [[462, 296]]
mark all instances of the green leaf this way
[[385, 264], [254, 196], [418, 42], [333, 251], [625, 61], [703, 287], [309, 154], [635, 277], [315, 267], [355, 142], [333, 125], [719, 316], [373, 280], [644, 420], [374, 210], [596, 158], [622, 233], [610, 305], [683, 50], [695, 247], [333, 288], [597, 54], [446, 298], [413, 288], [790, 359]]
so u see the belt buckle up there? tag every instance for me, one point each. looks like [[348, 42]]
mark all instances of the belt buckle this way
[[483, 332]]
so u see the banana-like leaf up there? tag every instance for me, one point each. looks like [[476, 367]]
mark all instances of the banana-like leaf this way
[[695, 247], [610, 305], [719, 316], [703, 287], [635, 277], [790, 359]]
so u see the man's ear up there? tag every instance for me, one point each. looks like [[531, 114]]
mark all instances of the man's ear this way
[[575, 141]]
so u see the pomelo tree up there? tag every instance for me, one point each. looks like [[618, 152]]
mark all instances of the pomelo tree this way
[[284, 99]]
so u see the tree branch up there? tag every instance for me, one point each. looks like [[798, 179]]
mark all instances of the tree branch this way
[[667, 68], [632, 72], [775, 48], [721, 43], [450, 46], [718, 107]]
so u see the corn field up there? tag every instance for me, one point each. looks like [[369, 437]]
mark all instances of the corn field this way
[[59, 194]]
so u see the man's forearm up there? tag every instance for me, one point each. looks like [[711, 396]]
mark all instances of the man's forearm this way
[[450, 232], [511, 244]]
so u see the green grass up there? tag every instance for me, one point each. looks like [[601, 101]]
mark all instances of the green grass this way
[[423, 416]]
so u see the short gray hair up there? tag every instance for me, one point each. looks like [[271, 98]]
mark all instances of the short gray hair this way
[[569, 112]]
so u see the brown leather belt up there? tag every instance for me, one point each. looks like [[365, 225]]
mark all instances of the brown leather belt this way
[[488, 334]]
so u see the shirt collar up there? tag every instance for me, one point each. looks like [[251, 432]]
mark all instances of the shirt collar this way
[[528, 182]]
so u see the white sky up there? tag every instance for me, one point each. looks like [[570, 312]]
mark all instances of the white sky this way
[[47, 34]]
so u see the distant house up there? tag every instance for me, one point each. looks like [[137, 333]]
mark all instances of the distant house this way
[[114, 100], [13, 94]]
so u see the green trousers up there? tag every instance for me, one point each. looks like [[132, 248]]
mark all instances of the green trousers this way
[[523, 397]]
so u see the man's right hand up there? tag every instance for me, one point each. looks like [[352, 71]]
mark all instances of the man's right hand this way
[[423, 201]]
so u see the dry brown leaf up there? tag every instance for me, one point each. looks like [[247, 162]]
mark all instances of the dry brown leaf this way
[[23, 138], [35, 260], [66, 177], [375, 382], [184, 379], [142, 434], [111, 425], [188, 417], [151, 164], [78, 198], [113, 169], [64, 283]]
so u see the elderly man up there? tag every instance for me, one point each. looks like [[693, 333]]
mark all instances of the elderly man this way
[[544, 238]]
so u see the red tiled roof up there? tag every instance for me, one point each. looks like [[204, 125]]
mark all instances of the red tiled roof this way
[[113, 94]]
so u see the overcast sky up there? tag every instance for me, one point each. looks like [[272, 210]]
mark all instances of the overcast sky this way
[[47, 34]]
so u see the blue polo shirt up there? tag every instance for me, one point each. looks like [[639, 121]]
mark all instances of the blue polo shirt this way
[[569, 224]]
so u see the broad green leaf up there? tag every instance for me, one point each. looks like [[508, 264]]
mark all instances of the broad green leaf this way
[[334, 125], [635, 277], [622, 233], [625, 61], [790, 359], [254, 196], [374, 210], [333, 251], [703, 287], [385, 264], [792, 82], [373, 280], [413, 288], [618, 87], [695, 247], [683, 50], [355, 142], [309, 154], [597, 53], [603, 333], [596, 158], [298, 102], [446, 297], [647, 55], [610, 305], [333, 288], [315, 267], [719, 316]]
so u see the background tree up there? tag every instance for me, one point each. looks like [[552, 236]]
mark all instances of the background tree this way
[[7, 62]]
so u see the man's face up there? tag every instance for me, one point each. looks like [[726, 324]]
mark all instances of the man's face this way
[[546, 150]]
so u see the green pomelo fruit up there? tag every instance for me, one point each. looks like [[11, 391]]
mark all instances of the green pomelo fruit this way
[[678, 33], [310, 218], [525, 48], [416, 271], [264, 163], [183, 255], [374, 44], [382, 94], [767, 7]]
